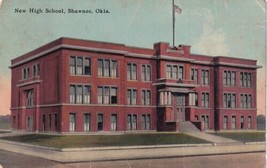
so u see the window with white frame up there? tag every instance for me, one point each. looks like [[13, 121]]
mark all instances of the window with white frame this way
[[107, 95], [225, 122], [193, 99], [174, 72], [131, 96], [36, 70], [80, 94], [146, 97], [113, 122], [107, 68], [233, 125], [205, 77], [29, 98], [146, 72], [229, 100], [100, 122], [194, 75], [205, 99], [80, 65], [249, 122], [131, 71], [229, 78], [72, 122], [131, 122], [146, 121], [25, 73], [245, 79], [87, 122], [245, 101]]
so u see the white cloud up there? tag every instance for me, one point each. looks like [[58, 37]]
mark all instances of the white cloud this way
[[212, 41]]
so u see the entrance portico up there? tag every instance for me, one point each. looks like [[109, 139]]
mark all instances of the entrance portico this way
[[177, 104]]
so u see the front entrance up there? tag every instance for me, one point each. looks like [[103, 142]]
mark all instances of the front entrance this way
[[180, 106]]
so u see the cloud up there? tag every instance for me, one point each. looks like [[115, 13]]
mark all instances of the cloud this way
[[212, 40]]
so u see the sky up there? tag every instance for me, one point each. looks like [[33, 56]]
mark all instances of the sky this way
[[234, 28]]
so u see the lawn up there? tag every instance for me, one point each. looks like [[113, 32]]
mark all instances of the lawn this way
[[79, 141], [4, 125], [243, 136]]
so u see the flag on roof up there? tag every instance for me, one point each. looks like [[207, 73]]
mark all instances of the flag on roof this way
[[177, 9]]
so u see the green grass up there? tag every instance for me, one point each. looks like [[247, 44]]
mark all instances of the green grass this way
[[243, 136], [4, 125], [79, 141]]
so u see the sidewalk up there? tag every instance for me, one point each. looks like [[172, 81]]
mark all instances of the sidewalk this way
[[132, 152]]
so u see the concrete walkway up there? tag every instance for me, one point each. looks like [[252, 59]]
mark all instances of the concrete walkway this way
[[123, 153]]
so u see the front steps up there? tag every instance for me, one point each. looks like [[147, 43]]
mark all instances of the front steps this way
[[190, 129], [187, 126]]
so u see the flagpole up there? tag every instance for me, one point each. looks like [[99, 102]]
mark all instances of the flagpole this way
[[173, 24]]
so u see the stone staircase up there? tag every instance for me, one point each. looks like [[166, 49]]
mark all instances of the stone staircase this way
[[187, 126], [190, 129]]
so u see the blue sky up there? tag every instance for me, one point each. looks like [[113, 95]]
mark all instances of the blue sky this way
[[233, 28]]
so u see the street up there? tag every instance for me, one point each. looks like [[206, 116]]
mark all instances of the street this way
[[244, 160]]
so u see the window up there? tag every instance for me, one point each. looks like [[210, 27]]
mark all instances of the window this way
[[245, 101], [87, 66], [131, 122], [165, 98], [87, 94], [205, 99], [80, 94], [29, 98], [87, 122], [245, 79], [242, 122], [229, 78], [131, 96], [72, 93], [107, 95], [249, 122], [196, 99], [205, 77], [72, 122], [131, 71], [193, 99], [50, 121], [55, 121], [100, 122], [113, 123], [25, 73], [44, 122], [107, 68], [146, 97], [146, 72], [194, 75], [225, 122], [174, 72], [205, 119], [146, 121], [229, 100], [80, 66], [72, 65], [36, 70], [233, 126]]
